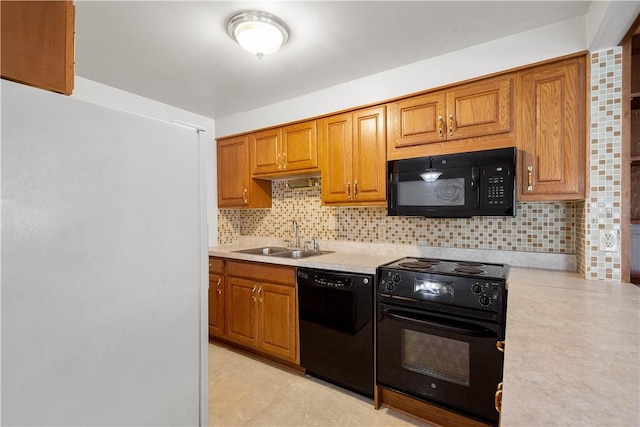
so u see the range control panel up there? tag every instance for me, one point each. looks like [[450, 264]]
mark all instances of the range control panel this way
[[444, 289]]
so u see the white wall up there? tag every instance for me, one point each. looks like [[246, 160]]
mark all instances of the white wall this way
[[98, 93], [608, 21], [525, 48]]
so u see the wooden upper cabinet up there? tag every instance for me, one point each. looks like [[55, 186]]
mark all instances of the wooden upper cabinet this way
[[236, 188], [426, 124], [479, 109], [286, 151], [369, 155], [417, 120], [354, 157], [336, 136], [266, 151], [37, 42], [551, 131], [300, 147]]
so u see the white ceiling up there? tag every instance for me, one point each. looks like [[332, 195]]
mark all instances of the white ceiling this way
[[178, 52]]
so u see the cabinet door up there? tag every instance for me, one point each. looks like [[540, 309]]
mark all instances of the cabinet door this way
[[265, 149], [336, 135], [479, 109], [278, 320], [38, 43], [551, 131], [300, 147], [236, 188], [233, 172], [241, 311], [417, 120], [216, 305], [369, 155]]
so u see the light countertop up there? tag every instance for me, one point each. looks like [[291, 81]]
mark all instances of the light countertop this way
[[572, 353], [337, 260]]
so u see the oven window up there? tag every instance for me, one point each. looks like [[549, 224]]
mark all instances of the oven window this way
[[438, 357], [441, 192]]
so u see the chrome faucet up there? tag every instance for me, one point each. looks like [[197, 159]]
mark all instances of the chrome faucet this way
[[294, 230]]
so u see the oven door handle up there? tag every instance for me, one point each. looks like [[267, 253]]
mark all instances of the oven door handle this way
[[472, 330]]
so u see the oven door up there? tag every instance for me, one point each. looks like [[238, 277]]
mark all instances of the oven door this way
[[451, 363]]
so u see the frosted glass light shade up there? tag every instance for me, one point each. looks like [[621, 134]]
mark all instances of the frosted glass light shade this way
[[258, 32]]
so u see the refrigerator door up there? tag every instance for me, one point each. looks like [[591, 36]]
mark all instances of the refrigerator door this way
[[104, 261]]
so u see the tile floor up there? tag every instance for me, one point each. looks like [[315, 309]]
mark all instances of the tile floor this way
[[247, 392]]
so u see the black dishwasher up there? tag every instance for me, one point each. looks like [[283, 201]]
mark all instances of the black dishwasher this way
[[336, 328]]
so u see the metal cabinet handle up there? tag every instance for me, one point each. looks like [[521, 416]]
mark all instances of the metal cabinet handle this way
[[355, 189], [260, 295], [440, 126], [529, 178], [450, 124], [348, 189], [284, 161], [278, 161], [500, 346], [498, 398], [253, 293], [244, 196]]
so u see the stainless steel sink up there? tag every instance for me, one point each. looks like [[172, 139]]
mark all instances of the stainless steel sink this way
[[267, 250], [282, 252], [296, 253]]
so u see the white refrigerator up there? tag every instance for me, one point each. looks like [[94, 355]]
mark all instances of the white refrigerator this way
[[104, 266]]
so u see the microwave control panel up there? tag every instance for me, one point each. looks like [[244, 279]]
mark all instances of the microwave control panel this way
[[497, 186]]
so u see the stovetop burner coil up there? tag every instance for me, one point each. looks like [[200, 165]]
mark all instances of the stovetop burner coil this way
[[469, 270], [415, 264], [469, 264]]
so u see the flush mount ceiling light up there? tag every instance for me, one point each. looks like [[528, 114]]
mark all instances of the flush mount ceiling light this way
[[258, 32]]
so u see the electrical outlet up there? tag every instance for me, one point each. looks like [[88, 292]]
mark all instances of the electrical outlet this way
[[609, 240]]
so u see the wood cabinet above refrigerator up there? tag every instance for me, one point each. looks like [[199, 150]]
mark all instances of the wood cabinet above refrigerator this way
[[38, 44]]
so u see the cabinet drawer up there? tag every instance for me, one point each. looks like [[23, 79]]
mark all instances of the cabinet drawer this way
[[216, 266], [258, 271]]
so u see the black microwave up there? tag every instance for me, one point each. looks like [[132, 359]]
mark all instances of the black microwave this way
[[479, 183]]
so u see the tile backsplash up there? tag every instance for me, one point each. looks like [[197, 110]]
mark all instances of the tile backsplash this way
[[603, 207], [538, 227]]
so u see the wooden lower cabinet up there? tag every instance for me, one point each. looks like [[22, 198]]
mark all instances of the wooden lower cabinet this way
[[261, 308], [216, 297], [241, 316]]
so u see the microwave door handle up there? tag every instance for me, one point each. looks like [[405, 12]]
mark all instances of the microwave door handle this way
[[442, 326]]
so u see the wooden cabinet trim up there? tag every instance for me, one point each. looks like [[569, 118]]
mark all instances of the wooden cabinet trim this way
[[257, 271], [216, 265]]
